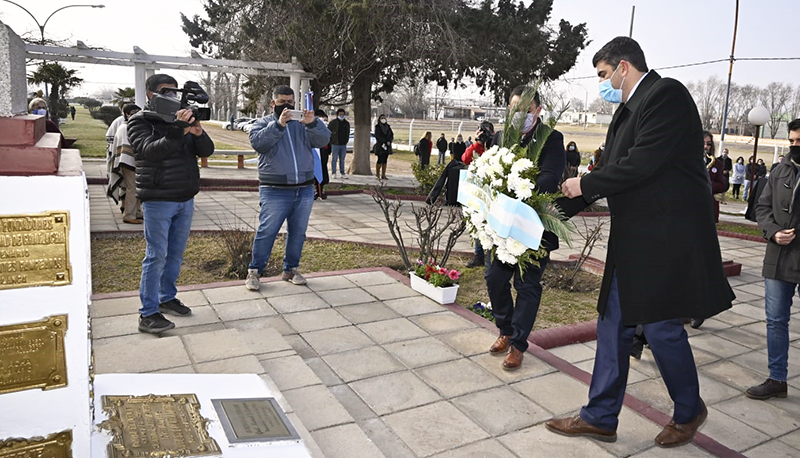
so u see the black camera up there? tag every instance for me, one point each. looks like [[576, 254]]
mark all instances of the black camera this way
[[164, 107], [486, 132]]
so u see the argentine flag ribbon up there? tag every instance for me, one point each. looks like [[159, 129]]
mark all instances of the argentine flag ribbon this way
[[506, 216]]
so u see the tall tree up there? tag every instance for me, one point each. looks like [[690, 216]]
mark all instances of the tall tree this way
[[359, 49], [776, 97], [709, 96], [511, 44], [602, 106], [793, 107], [60, 80]]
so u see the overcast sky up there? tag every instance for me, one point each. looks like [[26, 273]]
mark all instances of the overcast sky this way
[[671, 33]]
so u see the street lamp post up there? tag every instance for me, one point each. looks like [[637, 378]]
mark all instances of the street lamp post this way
[[758, 116], [42, 26]]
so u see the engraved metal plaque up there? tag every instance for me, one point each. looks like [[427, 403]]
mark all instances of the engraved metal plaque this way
[[254, 420], [53, 446], [34, 250], [157, 425], [32, 355]]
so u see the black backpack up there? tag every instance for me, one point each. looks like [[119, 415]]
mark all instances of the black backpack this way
[[416, 149]]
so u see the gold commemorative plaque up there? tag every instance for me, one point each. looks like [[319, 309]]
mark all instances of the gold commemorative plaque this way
[[53, 446], [157, 425], [254, 420], [34, 250], [32, 355]]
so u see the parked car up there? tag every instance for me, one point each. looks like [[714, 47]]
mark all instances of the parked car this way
[[227, 124], [350, 142], [245, 121], [247, 127]]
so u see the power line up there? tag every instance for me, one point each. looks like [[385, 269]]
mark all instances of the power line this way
[[695, 64]]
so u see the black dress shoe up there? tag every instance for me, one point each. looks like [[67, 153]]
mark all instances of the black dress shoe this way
[[696, 323], [769, 389]]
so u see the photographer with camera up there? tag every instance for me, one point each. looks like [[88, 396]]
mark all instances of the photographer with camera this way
[[284, 140], [167, 139], [484, 138]]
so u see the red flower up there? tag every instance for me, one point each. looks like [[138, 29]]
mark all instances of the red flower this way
[[453, 274], [442, 270]]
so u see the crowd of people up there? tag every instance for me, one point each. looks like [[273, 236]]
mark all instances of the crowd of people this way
[[663, 261]]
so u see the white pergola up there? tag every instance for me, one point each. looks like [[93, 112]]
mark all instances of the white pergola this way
[[145, 64]]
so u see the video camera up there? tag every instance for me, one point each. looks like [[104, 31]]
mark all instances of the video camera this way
[[164, 107], [486, 130]]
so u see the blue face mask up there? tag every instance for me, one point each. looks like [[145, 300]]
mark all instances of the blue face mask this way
[[40, 111], [608, 92]]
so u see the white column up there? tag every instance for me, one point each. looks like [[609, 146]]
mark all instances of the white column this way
[[13, 84], [140, 76]]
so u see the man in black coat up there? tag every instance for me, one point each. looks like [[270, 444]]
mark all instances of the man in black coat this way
[[778, 219], [441, 145], [515, 320], [167, 179], [663, 260]]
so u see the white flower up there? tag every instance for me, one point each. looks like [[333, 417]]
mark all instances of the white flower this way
[[507, 158], [521, 165], [514, 247], [497, 182], [522, 187], [506, 257]]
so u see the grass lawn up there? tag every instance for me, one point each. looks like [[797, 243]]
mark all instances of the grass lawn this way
[[746, 229], [116, 266]]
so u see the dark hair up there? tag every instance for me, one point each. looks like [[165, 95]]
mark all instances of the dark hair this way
[[573, 144], [740, 157], [519, 90], [486, 125], [793, 125], [621, 48], [340, 110], [128, 108], [158, 79], [711, 136], [282, 90], [320, 114]]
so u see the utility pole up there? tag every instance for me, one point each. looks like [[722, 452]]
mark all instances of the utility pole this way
[[730, 72], [633, 11]]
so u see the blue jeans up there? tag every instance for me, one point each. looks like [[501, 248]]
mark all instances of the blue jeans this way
[[166, 230], [292, 205], [671, 350], [746, 190], [441, 158], [338, 152], [778, 304]]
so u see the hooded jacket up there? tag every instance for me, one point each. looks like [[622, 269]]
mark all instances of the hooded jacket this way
[[284, 153], [166, 159], [778, 209]]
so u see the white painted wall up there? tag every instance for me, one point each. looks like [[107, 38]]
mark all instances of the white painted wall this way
[[35, 412]]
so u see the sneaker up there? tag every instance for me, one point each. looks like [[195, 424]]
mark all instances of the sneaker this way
[[253, 282], [174, 307], [294, 277], [333, 176], [155, 324], [769, 389], [343, 176]]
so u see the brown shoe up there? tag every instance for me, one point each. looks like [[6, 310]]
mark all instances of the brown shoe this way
[[499, 346], [513, 359], [675, 435], [575, 426], [132, 221]]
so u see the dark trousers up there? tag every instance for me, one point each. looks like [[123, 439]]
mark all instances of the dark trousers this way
[[670, 346], [515, 320]]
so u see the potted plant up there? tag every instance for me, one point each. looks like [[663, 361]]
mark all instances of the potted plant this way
[[436, 282]]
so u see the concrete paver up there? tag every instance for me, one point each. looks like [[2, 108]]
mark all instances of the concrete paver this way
[[420, 389]]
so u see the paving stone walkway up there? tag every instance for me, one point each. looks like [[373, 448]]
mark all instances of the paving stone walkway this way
[[368, 368]]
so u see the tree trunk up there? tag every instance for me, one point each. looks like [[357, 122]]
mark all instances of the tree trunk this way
[[362, 90]]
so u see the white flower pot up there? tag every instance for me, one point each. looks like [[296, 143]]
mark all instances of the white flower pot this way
[[441, 295]]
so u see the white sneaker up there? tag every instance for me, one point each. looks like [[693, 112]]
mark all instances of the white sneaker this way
[[333, 176], [344, 175], [294, 277], [253, 282]]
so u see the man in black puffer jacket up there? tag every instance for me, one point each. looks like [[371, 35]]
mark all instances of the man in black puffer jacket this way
[[167, 179]]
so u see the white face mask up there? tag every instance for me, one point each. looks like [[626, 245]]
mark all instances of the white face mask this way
[[530, 120], [383, 121]]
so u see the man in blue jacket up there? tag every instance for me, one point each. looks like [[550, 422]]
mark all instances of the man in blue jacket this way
[[286, 182]]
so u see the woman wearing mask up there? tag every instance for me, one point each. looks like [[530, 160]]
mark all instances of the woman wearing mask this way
[[749, 172], [738, 176], [761, 169], [384, 136], [573, 160], [425, 145]]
